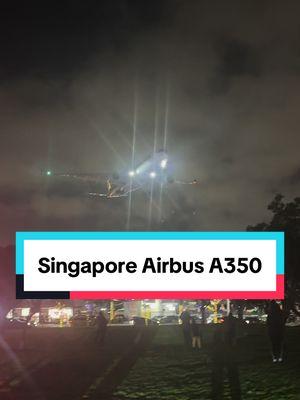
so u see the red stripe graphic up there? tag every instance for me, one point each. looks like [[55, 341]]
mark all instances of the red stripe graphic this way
[[129, 295]]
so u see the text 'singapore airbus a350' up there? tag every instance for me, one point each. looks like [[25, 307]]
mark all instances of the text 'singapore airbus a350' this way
[[154, 169]]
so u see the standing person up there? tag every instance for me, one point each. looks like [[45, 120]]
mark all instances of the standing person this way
[[101, 327], [196, 339], [275, 324], [223, 356], [229, 326], [186, 327]]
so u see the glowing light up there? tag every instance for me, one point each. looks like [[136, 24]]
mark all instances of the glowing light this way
[[48, 173], [152, 174], [163, 163], [25, 312], [170, 306], [131, 173]]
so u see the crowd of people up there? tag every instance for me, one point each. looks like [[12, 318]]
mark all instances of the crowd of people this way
[[222, 350], [192, 332], [223, 346], [228, 330]]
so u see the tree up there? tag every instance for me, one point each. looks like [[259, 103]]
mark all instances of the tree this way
[[286, 218], [7, 281]]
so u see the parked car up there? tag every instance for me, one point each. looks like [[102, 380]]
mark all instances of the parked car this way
[[293, 320], [157, 318], [170, 319], [120, 319], [197, 318], [16, 323], [81, 321], [252, 319], [211, 318]]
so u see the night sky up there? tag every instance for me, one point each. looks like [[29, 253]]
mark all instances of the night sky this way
[[72, 73]]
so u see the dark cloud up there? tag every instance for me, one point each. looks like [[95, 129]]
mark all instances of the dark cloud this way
[[13, 196], [237, 58], [69, 74], [293, 179]]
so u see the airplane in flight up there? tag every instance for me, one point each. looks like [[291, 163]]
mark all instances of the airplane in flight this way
[[155, 169]]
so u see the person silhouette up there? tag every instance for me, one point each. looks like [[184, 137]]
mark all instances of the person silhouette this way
[[101, 327], [275, 325], [186, 327], [223, 359]]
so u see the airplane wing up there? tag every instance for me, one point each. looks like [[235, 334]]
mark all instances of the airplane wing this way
[[87, 177], [121, 192], [193, 182], [172, 180], [106, 195]]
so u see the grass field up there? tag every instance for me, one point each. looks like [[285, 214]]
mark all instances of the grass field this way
[[169, 371], [66, 363]]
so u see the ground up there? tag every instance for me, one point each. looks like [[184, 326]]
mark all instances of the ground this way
[[169, 371], [66, 363], [145, 363]]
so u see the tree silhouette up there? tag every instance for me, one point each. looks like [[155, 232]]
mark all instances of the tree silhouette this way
[[7, 280], [286, 218]]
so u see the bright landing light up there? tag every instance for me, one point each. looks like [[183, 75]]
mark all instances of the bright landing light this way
[[163, 163], [152, 174], [48, 173], [131, 173]]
